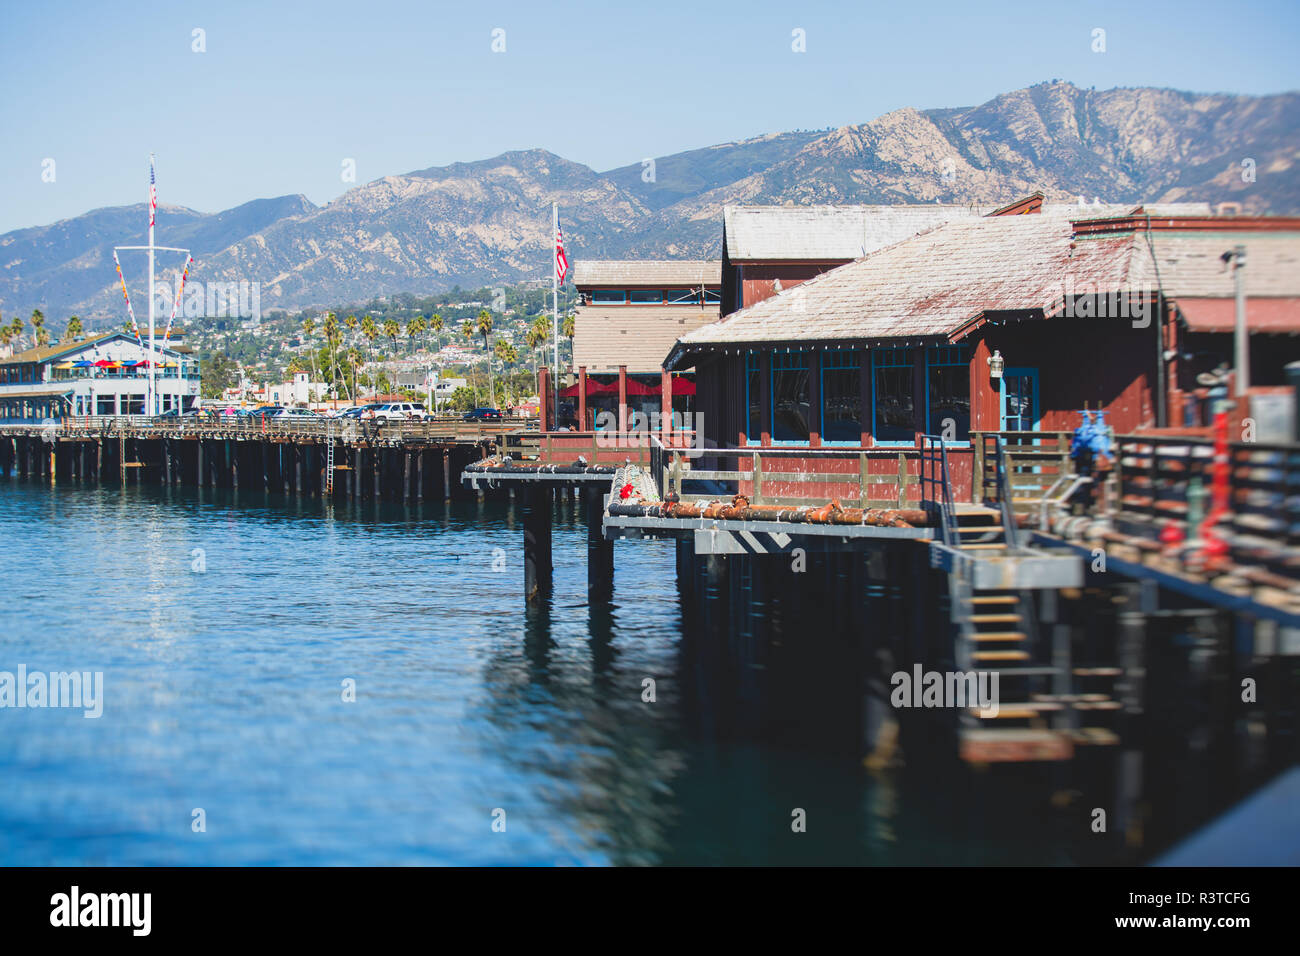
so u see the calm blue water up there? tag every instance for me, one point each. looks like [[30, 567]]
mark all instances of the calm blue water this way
[[223, 691]]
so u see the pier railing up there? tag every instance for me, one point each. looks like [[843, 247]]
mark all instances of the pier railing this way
[[1168, 482], [239, 427], [1030, 462], [596, 447], [864, 478]]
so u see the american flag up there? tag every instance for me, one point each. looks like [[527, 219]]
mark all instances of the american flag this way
[[561, 260], [153, 194]]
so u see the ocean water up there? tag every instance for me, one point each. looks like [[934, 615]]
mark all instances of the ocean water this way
[[228, 625]]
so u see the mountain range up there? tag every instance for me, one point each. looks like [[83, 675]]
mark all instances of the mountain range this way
[[486, 222]]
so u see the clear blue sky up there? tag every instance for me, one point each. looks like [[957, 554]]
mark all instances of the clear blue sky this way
[[281, 96]]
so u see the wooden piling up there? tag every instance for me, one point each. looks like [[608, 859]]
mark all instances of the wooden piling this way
[[600, 552], [537, 542]]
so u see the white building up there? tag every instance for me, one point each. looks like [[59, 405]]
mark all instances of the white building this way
[[300, 390], [105, 374]]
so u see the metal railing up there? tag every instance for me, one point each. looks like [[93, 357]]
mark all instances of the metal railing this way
[[936, 487], [793, 476], [1030, 461]]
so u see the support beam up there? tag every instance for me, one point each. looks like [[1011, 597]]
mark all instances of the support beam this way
[[537, 542], [582, 398], [666, 405], [622, 399], [600, 552]]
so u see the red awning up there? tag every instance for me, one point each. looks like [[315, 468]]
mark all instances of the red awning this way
[[681, 386], [593, 388], [1220, 314]]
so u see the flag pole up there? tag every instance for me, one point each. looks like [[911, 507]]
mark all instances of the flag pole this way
[[555, 303], [150, 392]]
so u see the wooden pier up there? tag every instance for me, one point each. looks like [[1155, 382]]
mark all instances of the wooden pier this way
[[401, 461], [1064, 596]]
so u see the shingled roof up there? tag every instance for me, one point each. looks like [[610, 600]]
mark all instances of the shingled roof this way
[[933, 284], [822, 233], [626, 273]]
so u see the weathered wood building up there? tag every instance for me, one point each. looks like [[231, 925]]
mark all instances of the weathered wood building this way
[[768, 249], [1008, 322]]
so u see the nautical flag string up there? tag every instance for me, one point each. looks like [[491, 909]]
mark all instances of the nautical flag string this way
[[153, 194], [561, 260], [135, 328], [185, 274]]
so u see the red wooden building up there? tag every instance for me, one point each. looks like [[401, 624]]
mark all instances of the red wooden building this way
[[1117, 312]]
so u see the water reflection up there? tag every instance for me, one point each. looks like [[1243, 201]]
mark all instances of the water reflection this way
[[224, 692]]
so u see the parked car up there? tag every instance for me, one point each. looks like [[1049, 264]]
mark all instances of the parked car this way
[[267, 411], [396, 412], [295, 414], [356, 411], [483, 415]]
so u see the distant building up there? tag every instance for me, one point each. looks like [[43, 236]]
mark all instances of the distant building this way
[[631, 312], [104, 374], [300, 390], [769, 249]]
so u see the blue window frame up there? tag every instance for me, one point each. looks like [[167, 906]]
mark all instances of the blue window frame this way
[[893, 411], [646, 297], [753, 399], [841, 392], [791, 398], [608, 296], [947, 392]]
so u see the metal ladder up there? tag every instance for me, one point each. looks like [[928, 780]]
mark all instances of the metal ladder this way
[[329, 459]]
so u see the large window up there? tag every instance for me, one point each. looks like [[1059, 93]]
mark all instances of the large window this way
[[646, 297], [893, 409], [841, 398], [947, 392], [608, 296], [753, 399], [105, 405], [791, 397]]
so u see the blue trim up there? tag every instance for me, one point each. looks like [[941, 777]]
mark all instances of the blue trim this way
[[953, 356], [1020, 372], [851, 362], [910, 363], [750, 439]]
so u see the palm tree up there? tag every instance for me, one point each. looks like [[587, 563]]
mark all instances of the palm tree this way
[[308, 330], [467, 329], [534, 339], [332, 337], [38, 327], [354, 358], [414, 327], [73, 331], [435, 326], [483, 327], [351, 323], [16, 326], [569, 328], [392, 330]]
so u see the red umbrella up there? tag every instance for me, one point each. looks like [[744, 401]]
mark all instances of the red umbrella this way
[[103, 363], [637, 387], [593, 388]]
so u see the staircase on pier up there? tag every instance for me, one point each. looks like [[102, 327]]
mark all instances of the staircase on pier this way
[[1003, 603]]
